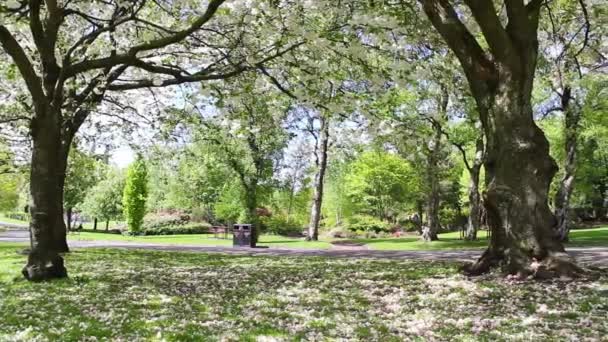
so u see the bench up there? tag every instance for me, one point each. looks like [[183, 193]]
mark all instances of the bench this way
[[218, 230]]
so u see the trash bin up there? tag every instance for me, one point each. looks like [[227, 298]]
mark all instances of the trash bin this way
[[243, 235]]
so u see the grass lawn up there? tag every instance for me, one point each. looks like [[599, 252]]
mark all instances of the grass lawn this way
[[5, 219], [447, 241], [201, 239], [153, 296]]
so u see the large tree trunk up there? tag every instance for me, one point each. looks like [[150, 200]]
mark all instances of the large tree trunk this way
[[518, 166], [317, 200], [475, 211], [519, 169], [572, 118], [47, 177]]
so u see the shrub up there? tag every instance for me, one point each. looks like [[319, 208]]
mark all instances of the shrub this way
[[362, 224], [451, 219], [135, 195], [340, 232], [169, 229], [279, 225], [15, 215], [164, 221], [171, 224]]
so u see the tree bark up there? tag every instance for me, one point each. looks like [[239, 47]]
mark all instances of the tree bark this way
[[520, 170], [518, 166], [68, 214], [317, 200], [572, 118], [47, 177], [475, 211], [433, 224], [95, 223], [252, 205], [107, 224], [430, 230]]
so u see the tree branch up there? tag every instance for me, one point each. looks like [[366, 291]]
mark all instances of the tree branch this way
[[130, 56], [33, 82], [493, 31], [479, 70]]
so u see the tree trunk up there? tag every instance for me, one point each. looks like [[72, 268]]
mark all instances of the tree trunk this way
[[429, 232], [519, 169], [252, 205], [475, 211], [572, 118], [518, 166], [474, 219], [107, 225], [68, 215], [95, 223], [47, 177], [317, 200]]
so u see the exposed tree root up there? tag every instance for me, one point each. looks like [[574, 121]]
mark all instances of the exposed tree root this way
[[558, 265], [43, 266]]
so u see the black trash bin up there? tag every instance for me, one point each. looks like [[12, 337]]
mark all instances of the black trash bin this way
[[243, 235]]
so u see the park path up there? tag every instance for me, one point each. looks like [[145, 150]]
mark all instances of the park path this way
[[597, 256]]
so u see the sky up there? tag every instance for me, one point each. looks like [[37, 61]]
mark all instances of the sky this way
[[122, 157]]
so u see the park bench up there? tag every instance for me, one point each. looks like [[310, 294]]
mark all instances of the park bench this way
[[218, 231]]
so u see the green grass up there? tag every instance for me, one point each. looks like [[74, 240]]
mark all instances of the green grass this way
[[200, 239], [589, 237], [447, 241], [5, 219], [132, 295], [451, 241]]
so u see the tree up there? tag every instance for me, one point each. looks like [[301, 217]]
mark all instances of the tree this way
[[229, 206], [248, 136], [188, 178], [82, 174], [79, 61], [319, 180], [433, 225], [104, 200], [135, 195], [382, 183], [9, 180], [518, 165], [474, 169], [571, 56]]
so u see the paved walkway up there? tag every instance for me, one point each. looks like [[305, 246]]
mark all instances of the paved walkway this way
[[587, 255]]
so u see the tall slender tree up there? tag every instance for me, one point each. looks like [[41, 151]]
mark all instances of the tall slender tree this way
[[571, 55]]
